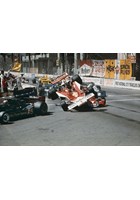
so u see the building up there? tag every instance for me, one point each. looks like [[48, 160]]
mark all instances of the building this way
[[57, 63]]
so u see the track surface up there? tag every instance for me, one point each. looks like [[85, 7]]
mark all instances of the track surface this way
[[116, 124]]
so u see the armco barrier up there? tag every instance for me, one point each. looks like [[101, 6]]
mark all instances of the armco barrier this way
[[98, 81], [130, 84], [127, 84]]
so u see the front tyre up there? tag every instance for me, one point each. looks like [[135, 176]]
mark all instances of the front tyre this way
[[4, 117], [102, 102], [64, 106]]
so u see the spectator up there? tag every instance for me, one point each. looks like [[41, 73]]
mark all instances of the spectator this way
[[1, 80], [5, 85]]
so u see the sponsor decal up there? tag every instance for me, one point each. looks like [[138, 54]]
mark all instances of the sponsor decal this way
[[80, 101], [127, 84]]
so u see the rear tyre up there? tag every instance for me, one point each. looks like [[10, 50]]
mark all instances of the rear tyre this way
[[52, 94], [64, 106], [85, 107], [40, 108], [77, 78]]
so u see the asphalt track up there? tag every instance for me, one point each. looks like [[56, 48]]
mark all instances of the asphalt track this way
[[117, 124]]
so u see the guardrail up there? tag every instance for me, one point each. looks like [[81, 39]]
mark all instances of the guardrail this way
[[130, 84]]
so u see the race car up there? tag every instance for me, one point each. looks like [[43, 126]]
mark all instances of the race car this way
[[76, 95], [12, 108]]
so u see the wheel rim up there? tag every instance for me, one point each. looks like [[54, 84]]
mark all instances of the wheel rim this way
[[5, 117]]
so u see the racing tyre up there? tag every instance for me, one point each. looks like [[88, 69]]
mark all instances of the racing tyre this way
[[77, 78], [4, 117], [40, 108], [52, 94], [103, 104], [34, 81], [64, 106], [85, 107]]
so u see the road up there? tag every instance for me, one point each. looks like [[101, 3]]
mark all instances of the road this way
[[117, 124]]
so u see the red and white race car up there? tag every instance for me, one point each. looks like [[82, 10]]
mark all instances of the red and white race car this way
[[76, 95]]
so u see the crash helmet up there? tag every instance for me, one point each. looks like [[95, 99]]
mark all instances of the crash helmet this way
[[90, 85]]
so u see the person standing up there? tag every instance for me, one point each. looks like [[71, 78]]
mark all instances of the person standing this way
[[5, 86], [1, 80]]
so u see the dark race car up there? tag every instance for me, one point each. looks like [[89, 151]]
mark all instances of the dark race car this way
[[12, 108], [29, 95]]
